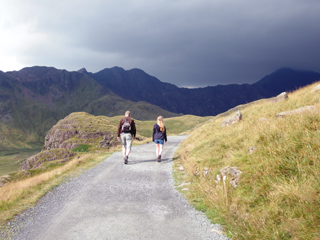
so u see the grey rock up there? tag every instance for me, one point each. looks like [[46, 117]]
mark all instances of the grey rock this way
[[282, 96], [296, 111], [232, 120]]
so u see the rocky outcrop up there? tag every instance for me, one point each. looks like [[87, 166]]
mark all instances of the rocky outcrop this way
[[80, 128], [232, 120], [59, 155], [106, 141]]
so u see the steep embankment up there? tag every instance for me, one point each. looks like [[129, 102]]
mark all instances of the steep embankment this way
[[259, 176]]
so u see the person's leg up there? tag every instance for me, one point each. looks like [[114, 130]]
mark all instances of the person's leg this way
[[124, 147], [129, 144], [124, 151], [157, 149], [160, 149], [161, 142]]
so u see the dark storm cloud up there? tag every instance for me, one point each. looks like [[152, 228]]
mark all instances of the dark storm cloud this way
[[185, 42]]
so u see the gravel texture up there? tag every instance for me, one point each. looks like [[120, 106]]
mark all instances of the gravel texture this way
[[117, 201]]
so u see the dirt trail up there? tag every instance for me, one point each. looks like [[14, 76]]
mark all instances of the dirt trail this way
[[118, 201]]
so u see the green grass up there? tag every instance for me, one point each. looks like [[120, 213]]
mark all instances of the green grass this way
[[81, 148], [10, 159], [278, 193]]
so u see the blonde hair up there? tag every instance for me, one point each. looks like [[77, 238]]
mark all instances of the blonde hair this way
[[160, 123]]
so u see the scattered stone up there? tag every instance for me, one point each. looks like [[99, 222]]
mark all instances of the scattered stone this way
[[296, 111], [205, 171], [252, 149], [232, 120], [232, 172], [280, 97]]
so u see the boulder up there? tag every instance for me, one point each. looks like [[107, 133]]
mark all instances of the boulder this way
[[282, 96], [232, 120], [296, 111], [316, 89]]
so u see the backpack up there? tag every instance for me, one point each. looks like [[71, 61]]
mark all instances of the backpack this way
[[126, 126]]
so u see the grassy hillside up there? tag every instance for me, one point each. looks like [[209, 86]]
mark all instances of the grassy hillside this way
[[278, 194]]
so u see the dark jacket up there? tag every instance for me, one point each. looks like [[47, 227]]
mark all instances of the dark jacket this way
[[133, 127], [157, 134]]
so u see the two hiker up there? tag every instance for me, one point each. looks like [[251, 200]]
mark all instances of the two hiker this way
[[127, 131]]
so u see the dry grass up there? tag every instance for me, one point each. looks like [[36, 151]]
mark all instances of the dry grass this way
[[278, 196], [18, 196]]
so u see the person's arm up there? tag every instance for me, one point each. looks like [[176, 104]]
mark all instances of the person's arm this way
[[119, 129], [133, 129], [153, 132], [165, 134]]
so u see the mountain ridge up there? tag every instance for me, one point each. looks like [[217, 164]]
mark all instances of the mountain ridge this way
[[206, 101], [33, 99]]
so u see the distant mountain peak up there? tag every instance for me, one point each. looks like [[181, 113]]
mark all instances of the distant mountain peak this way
[[83, 70]]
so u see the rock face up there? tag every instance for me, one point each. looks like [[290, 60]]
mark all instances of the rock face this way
[[80, 128], [232, 120], [76, 129], [61, 155]]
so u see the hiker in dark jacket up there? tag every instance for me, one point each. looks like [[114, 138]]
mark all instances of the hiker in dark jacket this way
[[126, 130], [159, 136]]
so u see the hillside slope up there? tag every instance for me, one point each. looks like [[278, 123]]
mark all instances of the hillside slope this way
[[33, 99], [260, 176]]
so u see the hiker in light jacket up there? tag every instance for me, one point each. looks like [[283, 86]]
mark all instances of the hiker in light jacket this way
[[125, 133], [159, 136]]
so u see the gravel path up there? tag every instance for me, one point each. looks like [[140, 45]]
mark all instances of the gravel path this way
[[117, 201]]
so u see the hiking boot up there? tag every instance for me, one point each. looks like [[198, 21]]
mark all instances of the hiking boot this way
[[159, 158], [125, 159]]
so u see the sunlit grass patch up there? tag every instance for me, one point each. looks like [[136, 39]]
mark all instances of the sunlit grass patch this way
[[278, 194]]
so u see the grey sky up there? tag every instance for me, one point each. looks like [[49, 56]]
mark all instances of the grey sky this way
[[192, 43]]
